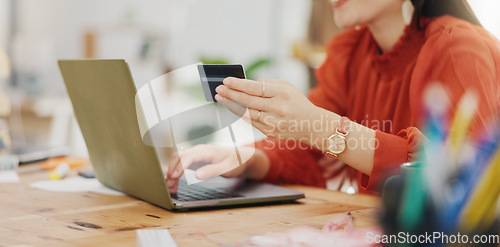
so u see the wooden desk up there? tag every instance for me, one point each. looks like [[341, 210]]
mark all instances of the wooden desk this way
[[31, 217]]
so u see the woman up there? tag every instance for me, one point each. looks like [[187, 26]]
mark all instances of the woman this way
[[374, 75]]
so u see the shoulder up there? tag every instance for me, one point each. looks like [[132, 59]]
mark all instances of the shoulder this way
[[437, 25], [450, 41], [460, 55], [448, 32]]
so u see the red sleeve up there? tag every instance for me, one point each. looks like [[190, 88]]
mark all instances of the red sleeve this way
[[391, 152], [292, 163], [462, 57], [295, 162]]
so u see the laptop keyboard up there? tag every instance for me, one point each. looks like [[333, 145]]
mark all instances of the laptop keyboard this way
[[195, 192]]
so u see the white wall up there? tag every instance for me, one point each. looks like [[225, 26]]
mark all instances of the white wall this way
[[4, 22], [236, 30], [4, 29]]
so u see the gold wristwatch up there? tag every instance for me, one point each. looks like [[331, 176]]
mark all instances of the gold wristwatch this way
[[337, 143]]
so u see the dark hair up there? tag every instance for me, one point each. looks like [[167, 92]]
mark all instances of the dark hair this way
[[433, 8]]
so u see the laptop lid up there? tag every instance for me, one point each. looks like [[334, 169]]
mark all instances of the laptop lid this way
[[103, 96]]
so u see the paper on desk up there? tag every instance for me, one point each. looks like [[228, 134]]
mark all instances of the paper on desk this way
[[75, 184], [154, 238], [9, 177]]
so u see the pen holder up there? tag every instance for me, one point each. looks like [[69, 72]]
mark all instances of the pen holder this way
[[408, 213]]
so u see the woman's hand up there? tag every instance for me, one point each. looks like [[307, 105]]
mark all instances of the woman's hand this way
[[280, 110], [275, 107], [221, 160]]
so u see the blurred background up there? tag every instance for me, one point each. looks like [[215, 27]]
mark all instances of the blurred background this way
[[277, 38]]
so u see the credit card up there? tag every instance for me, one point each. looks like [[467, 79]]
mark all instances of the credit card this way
[[212, 75]]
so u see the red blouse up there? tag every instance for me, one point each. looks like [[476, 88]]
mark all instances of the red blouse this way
[[384, 92]]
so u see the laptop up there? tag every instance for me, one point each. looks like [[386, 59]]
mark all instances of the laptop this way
[[103, 96]]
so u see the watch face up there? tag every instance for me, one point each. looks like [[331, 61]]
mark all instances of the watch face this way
[[336, 144]]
